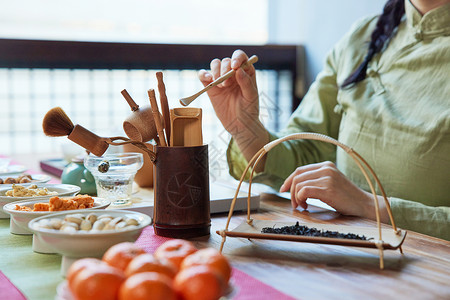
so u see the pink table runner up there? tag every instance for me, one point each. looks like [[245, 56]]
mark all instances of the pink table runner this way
[[9, 290], [247, 286]]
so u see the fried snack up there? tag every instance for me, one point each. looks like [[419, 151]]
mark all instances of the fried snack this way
[[31, 191], [41, 207], [60, 204], [77, 202], [10, 180], [25, 178], [22, 208]]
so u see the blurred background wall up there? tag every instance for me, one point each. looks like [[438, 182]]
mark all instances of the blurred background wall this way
[[316, 24], [92, 96]]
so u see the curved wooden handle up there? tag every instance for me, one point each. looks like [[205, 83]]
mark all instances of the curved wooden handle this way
[[140, 145]]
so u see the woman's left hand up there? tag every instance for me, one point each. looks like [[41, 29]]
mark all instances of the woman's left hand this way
[[325, 182]]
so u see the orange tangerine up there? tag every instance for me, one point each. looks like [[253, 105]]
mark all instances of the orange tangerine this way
[[121, 254]]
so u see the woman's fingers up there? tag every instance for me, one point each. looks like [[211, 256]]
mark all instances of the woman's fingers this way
[[225, 67], [300, 170], [310, 181], [246, 80], [205, 77], [301, 180], [215, 68], [315, 188], [325, 182], [238, 58]]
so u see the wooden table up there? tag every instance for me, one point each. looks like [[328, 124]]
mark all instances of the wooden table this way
[[317, 271]]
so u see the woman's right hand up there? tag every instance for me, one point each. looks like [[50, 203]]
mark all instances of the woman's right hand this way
[[235, 100]]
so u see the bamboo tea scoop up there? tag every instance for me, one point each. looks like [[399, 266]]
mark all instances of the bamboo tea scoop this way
[[140, 125], [188, 100], [186, 124]]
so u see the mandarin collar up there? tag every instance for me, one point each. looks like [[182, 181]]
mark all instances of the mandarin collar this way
[[434, 23]]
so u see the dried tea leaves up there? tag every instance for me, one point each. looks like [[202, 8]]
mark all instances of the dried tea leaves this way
[[298, 229]]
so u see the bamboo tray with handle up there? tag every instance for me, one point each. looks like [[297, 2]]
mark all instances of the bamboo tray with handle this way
[[377, 237]]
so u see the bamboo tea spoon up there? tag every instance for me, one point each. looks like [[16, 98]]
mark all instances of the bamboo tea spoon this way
[[140, 125], [188, 100]]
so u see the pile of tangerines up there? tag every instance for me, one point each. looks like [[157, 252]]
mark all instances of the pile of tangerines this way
[[176, 270]]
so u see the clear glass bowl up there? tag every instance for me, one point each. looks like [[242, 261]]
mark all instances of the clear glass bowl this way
[[114, 175]]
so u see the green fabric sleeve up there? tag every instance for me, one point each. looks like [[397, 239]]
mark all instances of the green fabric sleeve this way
[[397, 120], [314, 114], [318, 112], [237, 164], [421, 218]]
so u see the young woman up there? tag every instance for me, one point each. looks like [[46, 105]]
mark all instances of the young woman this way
[[385, 92]]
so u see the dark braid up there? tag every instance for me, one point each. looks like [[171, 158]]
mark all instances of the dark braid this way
[[386, 24]]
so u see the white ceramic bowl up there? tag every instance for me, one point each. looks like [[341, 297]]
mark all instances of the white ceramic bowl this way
[[20, 219], [62, 190], [81, 244], [35, 179]]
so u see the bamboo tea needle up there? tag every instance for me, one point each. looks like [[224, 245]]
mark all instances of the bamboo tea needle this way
[[157, 117], [186, 101]]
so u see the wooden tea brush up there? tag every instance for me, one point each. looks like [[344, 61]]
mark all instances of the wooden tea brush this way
[[57, 123]]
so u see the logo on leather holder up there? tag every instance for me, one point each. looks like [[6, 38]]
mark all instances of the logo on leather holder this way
[[184, 190]]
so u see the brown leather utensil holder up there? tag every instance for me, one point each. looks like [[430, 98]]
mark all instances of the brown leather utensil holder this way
[[181, 191]]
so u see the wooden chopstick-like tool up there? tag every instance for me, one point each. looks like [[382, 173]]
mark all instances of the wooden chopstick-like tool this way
[[164, 104], [157, 117]]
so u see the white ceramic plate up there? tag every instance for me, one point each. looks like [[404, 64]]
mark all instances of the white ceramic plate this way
[[60, 189], [35, 179], [63, 292], [13, 170], [20, 219], [80, 244]]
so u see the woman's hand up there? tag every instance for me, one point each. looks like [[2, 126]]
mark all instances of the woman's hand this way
[[235, 100], [236, 103], [325, 182]]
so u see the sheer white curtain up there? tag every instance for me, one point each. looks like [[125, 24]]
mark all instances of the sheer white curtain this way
[[152, 21]]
